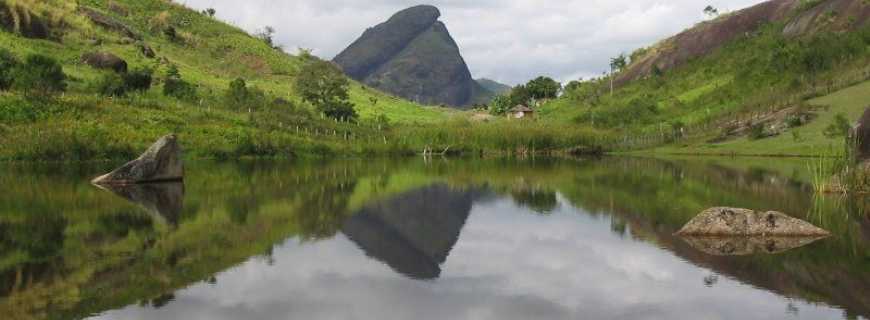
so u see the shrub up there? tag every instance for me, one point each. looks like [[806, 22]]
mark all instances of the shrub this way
[[756, 131], [794, 121], [8, 63], [175, 86], [138, 80], [839, 127], [237, 94], [39, 76], [111, 85]]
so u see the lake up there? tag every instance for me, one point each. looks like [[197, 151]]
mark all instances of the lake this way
[[425, 239]]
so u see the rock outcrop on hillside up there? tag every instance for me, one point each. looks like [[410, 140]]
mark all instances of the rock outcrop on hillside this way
[[704, 38], [412, 55]]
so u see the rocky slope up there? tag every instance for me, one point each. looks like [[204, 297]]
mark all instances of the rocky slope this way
[[798, 16], [412, 55]]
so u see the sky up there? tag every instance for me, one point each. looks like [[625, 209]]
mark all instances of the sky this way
[[510, 41]]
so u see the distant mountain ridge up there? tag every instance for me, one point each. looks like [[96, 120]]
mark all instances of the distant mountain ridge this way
[[412, 55], [493, 86]]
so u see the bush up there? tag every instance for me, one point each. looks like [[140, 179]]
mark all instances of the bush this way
[[237, 94], [8, 63], [756, 131], [39, 76], [138, 80], [175, 86], [838, 128], [794, 121], [111, 85], [114, 85]]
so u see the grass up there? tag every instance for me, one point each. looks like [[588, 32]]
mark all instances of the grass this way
[[851, 102], [83, 125]]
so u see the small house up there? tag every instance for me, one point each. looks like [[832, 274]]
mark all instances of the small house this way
[[521, 112]]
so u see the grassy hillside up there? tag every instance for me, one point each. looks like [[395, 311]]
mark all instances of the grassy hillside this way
[[81, 123], [719, 96]]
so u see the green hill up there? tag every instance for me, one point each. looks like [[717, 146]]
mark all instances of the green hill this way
[[85, 123], [747, 73]]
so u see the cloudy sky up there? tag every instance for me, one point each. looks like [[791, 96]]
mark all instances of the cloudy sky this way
[[507, 40]]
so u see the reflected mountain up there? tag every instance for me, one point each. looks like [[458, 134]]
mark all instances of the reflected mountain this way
[[163, 201], [743, 246], [414, 232]]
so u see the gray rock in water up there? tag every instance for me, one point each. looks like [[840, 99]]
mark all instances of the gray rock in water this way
[[105, 60], [744, 222], [160, 163]]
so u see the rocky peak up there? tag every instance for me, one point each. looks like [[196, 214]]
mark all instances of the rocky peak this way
[[411, 55]]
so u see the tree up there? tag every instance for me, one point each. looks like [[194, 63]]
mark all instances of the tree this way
[[237, 94], [500, 105], [616, 65], [40, 76], [267, 34], [324, 86], [544, 88], [520, 95], [175, 86], [711, 11]]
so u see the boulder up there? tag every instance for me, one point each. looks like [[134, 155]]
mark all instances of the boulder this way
[[744, 222], [146, 50], [105, 60], [108, 22], [160, 163]]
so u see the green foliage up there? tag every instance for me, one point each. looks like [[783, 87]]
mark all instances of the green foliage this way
[[757, 131], [619, 62], [111, 85], [39, 76], [838, 128], [138, 79], [237, 94], [543, 88], [8, 63], [323, 85], [500, 105], [117, 85], [175, 86], [793, 121]]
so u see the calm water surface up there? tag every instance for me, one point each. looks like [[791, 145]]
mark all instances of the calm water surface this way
[[418, 239]]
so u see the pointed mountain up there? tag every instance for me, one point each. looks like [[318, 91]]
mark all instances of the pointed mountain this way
[[411, 55]]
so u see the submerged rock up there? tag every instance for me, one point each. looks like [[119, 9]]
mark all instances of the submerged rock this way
[[160, 163], [741, 246], [105, 60], [744, 222]]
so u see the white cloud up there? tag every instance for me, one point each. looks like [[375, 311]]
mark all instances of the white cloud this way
[[507, 40]]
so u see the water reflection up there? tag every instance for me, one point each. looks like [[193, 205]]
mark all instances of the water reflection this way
[[414, 232], [504, 239], [742, 246], [164, 201]]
